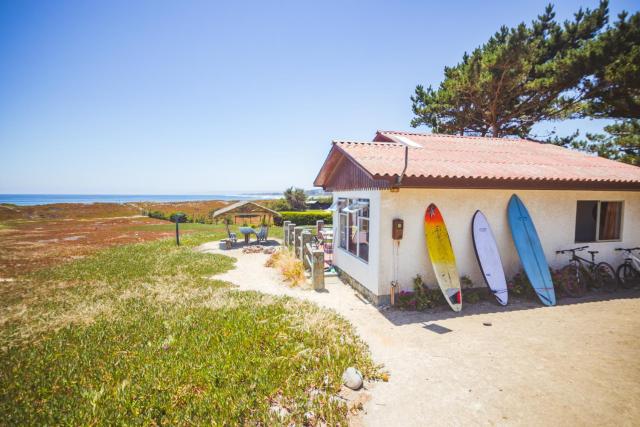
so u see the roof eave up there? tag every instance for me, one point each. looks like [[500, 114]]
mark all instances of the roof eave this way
[[329, 164], [504, 183]]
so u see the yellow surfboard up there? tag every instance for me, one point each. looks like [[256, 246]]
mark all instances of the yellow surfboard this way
[[442, 258]]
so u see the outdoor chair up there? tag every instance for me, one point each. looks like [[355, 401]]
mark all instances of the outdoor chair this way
[[262, 235], [230, 235]]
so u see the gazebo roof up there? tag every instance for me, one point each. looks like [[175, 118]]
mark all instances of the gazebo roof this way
[[245, 207]]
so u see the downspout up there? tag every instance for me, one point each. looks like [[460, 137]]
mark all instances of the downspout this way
[[406, 162]]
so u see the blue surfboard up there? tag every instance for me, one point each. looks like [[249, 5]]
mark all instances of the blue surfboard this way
[[530, 250]]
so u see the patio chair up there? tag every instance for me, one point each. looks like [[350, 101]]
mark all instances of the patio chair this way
[[262, 235], [232, 237]]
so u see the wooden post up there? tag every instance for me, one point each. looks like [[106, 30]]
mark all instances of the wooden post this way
[[319, 225], [285, 229], [306, 239], [297, 232], [177, 233], [290, 234], [317, 270]]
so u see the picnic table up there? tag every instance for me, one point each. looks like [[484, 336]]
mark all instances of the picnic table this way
[[247, 232]]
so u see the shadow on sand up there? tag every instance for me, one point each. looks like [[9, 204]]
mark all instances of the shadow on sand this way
[[400, 317], [240, 244]]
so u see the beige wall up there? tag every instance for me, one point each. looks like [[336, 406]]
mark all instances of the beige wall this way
[[553, 213]]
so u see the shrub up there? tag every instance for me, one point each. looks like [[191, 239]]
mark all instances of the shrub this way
[[274, 259], [278, 204], [520, 285], [157, 215], [307, 217], [289, 266], [470, 294], [421, 298]]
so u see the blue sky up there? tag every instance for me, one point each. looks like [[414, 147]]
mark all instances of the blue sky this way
[[203, 97]]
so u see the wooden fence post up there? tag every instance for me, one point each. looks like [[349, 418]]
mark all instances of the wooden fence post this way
[[306, 239], [290, 234], [319, 225], [297, 232], [285, 229], [317, 270]]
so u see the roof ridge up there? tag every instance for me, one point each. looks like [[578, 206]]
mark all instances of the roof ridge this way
[[444, 135], [381, 143]]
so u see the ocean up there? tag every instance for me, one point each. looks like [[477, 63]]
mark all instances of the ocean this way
[[47, 199]]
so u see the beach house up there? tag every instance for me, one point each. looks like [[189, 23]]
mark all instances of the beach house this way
[[573, 198]]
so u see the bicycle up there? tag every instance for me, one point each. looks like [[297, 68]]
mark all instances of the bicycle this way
[[628, 273], [582, 273]]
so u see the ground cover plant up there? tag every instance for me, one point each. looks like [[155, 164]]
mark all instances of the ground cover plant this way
[[67, 211], [34, 237], [141, 334]]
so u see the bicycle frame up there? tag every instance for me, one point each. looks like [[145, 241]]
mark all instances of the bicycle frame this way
[[633, 260], [583, 262]]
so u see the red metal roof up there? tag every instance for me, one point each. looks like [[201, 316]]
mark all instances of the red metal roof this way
[[434, 158]]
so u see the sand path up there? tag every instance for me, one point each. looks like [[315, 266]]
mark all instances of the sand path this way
[[575, 364]]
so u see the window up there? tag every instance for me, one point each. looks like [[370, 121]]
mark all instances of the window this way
[[354, 226], [598, 221], [343, 224]]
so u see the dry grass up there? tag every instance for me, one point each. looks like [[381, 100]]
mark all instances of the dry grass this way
[[67, 211], [194, 209], [290, 267]]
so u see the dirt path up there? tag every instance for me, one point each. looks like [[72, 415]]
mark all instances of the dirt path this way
[[575, 364]]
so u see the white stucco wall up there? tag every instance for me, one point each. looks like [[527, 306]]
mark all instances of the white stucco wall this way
[[552, 211]]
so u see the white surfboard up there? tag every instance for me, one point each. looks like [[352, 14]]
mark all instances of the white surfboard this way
[[489, 257]]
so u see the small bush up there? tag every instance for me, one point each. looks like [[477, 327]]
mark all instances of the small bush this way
[[289, 266], [421, 298], [520, 285], [470, 294], [307, 217], [157, 215], [274, 259]]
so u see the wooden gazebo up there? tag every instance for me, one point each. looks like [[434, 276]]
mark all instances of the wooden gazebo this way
[[247, 211]]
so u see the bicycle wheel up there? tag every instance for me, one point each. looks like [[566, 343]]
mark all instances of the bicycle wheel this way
[[606, 276], [628, 277], [572, 281], [590, 278]]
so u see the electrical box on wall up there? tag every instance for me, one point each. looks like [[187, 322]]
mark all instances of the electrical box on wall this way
[[398, 228]]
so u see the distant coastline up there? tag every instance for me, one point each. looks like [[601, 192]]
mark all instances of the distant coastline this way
[[47, 199]]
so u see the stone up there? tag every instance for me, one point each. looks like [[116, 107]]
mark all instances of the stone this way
[[352, 378], [279, 411]]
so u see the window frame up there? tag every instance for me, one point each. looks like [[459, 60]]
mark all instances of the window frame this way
[[344, 244], [597, 222]]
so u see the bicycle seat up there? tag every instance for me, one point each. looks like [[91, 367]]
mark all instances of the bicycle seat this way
[[593, 252]]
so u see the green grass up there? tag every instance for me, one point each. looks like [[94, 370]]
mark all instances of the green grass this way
[[140, 334]]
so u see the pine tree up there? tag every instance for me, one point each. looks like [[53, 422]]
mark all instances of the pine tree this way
[[520, 77]]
